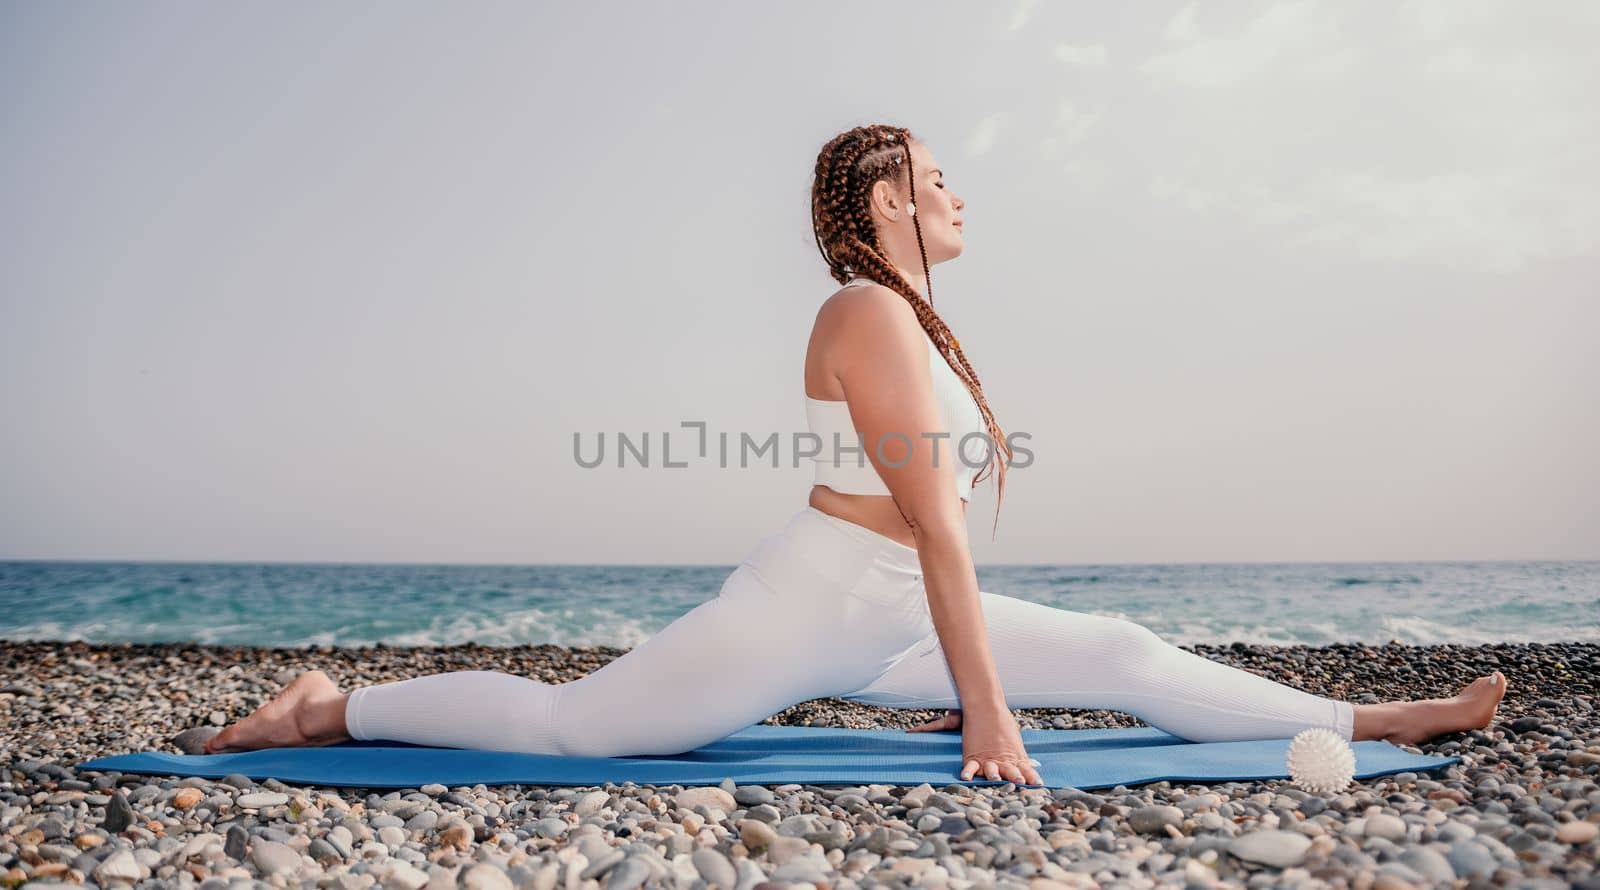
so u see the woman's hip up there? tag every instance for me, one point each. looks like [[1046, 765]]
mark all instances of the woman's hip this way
[[816, 556], [839, 590]]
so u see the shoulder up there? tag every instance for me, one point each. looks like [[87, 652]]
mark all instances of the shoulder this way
[[868, 328], [868, 308]]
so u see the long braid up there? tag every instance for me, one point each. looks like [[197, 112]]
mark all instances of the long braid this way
[[845, 171]]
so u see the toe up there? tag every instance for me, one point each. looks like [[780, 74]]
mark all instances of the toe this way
[[218, 742]]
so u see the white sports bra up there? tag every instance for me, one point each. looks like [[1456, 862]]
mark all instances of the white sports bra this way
[[847, 471]]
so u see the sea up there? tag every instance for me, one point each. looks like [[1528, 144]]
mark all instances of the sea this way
[[302, 605]]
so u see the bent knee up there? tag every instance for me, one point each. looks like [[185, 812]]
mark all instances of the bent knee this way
[[1134, 641]]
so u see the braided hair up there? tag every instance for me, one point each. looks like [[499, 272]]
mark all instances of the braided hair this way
[[847, 167]]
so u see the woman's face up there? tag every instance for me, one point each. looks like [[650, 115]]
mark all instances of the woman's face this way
[[938, 208]]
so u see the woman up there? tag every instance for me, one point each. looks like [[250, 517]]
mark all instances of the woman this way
[[868, 593]]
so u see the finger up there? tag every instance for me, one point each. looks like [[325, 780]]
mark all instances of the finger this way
[[992, 770], [966, 772]]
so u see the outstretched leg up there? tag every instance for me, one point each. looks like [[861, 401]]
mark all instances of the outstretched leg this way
[[1057, 658], [713, 670], [729, 662]]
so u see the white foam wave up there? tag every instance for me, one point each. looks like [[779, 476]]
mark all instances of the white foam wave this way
[[562, 627]]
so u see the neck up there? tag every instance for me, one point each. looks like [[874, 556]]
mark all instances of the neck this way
[[899, 246], [919, 282]]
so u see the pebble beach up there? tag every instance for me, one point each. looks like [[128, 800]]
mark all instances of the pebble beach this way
[[1522, 809]]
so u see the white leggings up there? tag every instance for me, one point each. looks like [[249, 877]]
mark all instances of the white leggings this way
[[827, 608]]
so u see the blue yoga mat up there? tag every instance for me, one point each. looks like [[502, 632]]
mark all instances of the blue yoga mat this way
[[773, 755]]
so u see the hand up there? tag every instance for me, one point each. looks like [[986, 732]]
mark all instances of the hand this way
[[991, 743]]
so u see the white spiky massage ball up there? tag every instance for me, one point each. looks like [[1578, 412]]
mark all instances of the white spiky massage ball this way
[[1320, 761]]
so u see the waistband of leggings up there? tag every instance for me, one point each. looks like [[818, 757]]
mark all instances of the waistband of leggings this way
[[885, 549]]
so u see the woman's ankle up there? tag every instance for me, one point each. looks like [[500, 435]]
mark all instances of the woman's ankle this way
[[1375, 722], [324, 717]]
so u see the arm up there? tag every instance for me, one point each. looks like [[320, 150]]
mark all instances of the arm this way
[[883, 368]]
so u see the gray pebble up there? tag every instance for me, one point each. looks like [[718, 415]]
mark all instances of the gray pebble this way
[[551, 827], [86, 862], [340, 839], [628, 874], [797, 825], [119, 867], [1388, 827], [1469, 859], [714, 867], [320, 850], [403, 807], [764, 813], [193, 740], [237, 842], [392, 836], [752, 795], [119, 813], [272, 857], [1154, 819], [1271, 847]]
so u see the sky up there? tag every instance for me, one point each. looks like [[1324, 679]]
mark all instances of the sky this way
[[1286, 282]]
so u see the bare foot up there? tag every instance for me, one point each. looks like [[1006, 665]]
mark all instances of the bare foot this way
[[1471, 708], [309, 712]]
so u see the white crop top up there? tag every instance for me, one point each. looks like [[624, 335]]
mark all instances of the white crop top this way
[[850, 472]]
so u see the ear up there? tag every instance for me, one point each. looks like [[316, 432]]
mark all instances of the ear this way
[[885, 201]]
